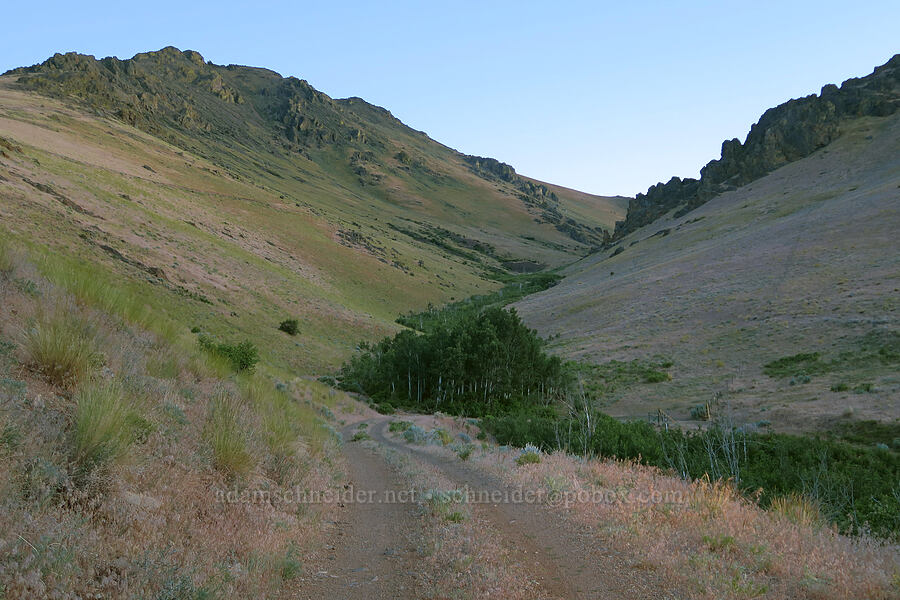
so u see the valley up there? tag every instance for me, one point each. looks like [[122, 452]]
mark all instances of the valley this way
[[217, 282]]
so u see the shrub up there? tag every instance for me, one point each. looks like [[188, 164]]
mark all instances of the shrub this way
[[809, 363], [103, 428], [463, 451], [529, 455], [415, 435], [700, 412], [840, 387], [385, 408], [225, 434], [440, 436], [242, 357], [360, 436], [446, 504], [399, 426], [290, 326], [62, 348]]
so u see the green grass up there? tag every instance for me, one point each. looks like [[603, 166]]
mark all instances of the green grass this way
[[61, 347], [225, 433], [103, 426]]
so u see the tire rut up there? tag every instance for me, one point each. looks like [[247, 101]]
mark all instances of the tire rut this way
[[375, 548]]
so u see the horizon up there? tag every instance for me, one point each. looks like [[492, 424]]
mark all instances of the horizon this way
[[606, 144]]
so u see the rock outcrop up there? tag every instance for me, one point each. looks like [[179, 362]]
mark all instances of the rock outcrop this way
[[786, 133]]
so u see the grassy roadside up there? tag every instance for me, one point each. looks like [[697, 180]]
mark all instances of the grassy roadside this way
[[119, 436], [702, 536]]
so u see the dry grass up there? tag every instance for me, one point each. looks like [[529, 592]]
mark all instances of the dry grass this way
[[706, 536]]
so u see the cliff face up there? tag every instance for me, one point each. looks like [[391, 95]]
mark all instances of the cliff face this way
[[786, 133]]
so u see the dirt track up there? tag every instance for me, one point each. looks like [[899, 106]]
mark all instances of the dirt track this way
[[375, 554]]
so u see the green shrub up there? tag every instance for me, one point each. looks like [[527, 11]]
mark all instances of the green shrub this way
[[290, 326], [360, 436], [840, 387], [530, 455], [103, 427], [809, 363], [225, 435], [62, 348], [242, 357], [399, 426], [463, 451], [853, 485], [385, 408], [440, 436]]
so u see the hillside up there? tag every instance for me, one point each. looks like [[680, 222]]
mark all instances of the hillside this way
[[800, 261], [783, 134], [258, 198]]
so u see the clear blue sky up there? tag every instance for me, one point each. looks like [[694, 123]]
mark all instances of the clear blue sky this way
[[604, 97]]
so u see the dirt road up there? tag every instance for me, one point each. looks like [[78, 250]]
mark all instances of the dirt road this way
[[375, 554]]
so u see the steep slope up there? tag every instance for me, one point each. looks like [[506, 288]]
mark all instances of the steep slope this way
[[786, 133], [802, 260], [260, 198]]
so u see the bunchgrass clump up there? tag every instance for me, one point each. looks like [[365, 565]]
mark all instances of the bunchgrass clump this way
[[6, 260], [799, 509], [62, 348], [446, 504], [225, 434], [103, 427]]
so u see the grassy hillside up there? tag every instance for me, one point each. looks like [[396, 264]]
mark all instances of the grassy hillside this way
[[258, 198], [798, 262]]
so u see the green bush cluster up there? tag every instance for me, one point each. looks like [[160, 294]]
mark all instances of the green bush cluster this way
[[242, 356]]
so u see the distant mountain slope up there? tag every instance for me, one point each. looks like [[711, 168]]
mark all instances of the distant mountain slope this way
[[786, 133], [238, 198], [803, 260], [248, 120]]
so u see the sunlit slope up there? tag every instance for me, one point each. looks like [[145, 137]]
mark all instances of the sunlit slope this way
[[334, 213], [803, 260]]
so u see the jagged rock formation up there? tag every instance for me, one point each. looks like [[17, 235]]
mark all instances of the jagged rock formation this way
[[786, 133]]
